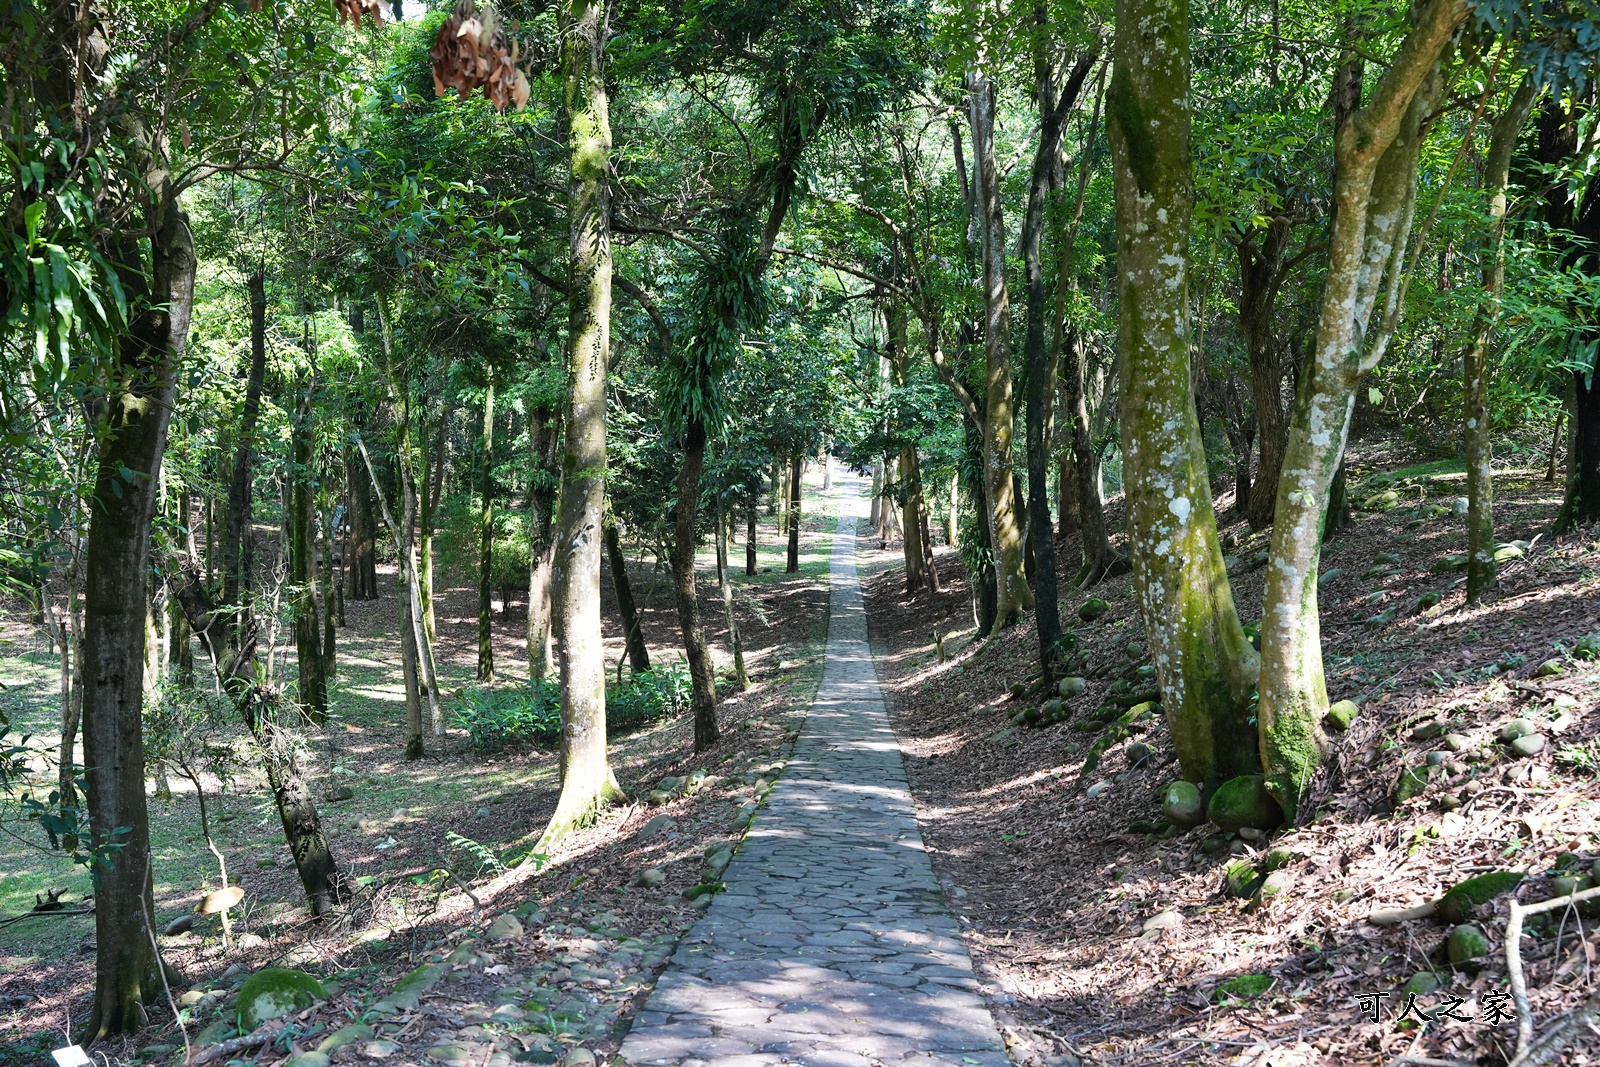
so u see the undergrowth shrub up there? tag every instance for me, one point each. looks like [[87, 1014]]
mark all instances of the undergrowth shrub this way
[[530, 714]]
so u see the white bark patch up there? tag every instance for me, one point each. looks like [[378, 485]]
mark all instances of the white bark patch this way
[[1180, 508]]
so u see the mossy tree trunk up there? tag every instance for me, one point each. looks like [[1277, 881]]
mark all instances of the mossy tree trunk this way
[[1475, 360], [543, 437], [908, 481], [587, 783], [1013, 596], [1039, 358], [1376, 156], [1204, 663]]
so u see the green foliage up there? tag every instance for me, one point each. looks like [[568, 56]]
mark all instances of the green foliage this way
[[531, 714]]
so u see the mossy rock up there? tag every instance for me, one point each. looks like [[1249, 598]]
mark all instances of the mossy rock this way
[[1466, 945], [1422, 984], [1181, 804], [1550, 668], [1277, 884], [1244, 801], [1241, 879], [1071, 686], [1457, 904], [275, 992], [1244, 987], [1506, 552], [407, 993], [1413, 783], [1567, 884], [1453, 561], [1381, 501], [1426, 602], [1386, 559], [1092, 609], [1341, 714]]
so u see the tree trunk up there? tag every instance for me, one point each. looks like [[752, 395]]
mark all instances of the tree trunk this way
[[750, 538], [134, 423], [419, 480], [875, 515], [742, 679], [952, 530], [1262, 269], [1204, 664], [302, 568], [1066, 493], [632, 629], [412, 626], [908, 483], [985, 596], [1038, 366], [1475, 361], [361, 562], [1376, 157], [793, 516], [542, 441], [260, 708], [1005, 538], [1575, 229], [1555, 446], [417, 545], [586, 780], [237, 544], [486, 543], [683, 584], [71, 682]]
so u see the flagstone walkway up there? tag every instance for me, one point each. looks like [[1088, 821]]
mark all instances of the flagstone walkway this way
[[832, 946]]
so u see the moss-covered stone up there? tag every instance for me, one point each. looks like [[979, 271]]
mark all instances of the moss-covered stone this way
[[275, 992], [1092, 609], [345, 1035], [1071, 686], [408, 992], [1244, 801], [1277, 884], [1457, 904], [1182, 806], [1413, 783], [1241, 879], [1341, 715], [1465, 945], [1421, 984]]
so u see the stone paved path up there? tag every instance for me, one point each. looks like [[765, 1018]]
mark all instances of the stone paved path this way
[[831, 946]]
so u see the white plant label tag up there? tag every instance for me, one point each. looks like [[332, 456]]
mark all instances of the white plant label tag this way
[[71, 1056]]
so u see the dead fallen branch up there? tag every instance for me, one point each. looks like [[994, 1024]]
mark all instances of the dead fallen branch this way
[[1519, 983]]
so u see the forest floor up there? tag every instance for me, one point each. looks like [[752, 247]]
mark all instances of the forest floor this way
[[1056, 891], [597, 927]]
